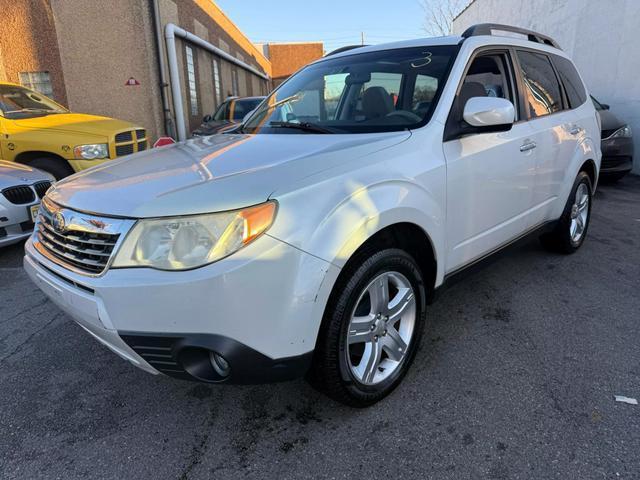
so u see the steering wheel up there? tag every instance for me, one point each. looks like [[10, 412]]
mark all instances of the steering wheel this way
[[412, 117]]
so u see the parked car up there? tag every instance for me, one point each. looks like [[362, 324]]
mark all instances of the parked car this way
[[21, 188], [616, 144], [36, 131], [313, 241], [228, 115]]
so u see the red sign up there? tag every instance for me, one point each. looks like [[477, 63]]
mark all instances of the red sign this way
[[132, 81], [163, 142]]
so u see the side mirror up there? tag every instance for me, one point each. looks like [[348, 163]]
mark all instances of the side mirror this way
[[207, 119], [605, 106], [489, 114]]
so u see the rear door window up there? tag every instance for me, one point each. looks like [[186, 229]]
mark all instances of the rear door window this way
[[541, 87], [571, 81]]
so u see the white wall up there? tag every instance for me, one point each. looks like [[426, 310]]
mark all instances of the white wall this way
[[600, 35]]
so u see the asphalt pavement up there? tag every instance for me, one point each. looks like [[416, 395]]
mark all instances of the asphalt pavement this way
[[515, 379]]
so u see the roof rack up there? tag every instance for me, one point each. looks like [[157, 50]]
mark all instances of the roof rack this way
[[344, 49], [488, 28]]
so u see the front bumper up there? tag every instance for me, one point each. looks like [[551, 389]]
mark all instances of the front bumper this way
[[15, 222], [257, 308]]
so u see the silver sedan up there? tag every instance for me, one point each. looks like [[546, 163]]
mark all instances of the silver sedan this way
[[21, 188]]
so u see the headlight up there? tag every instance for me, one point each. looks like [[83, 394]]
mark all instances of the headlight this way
[[91, 152], [622, 132], [182, 243]]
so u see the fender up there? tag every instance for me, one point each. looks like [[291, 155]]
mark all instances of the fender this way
[[587, 150], [334, 230]]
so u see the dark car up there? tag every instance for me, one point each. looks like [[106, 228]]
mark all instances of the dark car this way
[[617, 144], [228, 115]]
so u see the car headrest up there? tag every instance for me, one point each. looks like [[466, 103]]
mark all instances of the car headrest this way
[[376, 102]]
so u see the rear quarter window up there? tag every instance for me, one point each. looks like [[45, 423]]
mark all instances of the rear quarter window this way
[[573, 85]]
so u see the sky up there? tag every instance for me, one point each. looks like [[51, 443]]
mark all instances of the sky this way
[[334, 22]]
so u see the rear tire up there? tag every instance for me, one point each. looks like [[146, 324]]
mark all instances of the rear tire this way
[[571, 230], [57, 167], [369, 338]]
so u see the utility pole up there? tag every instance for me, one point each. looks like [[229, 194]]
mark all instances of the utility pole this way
[[362, 38]]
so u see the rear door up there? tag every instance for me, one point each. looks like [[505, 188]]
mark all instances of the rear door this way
[[490, 176], [555, 133]]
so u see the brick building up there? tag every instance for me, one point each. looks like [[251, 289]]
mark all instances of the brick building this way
[[287, 58], [115, 58]]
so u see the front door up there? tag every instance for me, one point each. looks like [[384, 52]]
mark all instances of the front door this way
[[490, 176]]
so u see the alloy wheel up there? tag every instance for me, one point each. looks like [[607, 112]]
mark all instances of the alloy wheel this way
[[381, 328], [579, 213]]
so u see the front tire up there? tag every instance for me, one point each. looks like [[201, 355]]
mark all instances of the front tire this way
[[371, 328], [571, 229]]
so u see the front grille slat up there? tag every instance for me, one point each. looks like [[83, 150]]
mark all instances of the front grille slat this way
[[19, 195], [124, 137], [88, 252], [41, 188], [75, 238], [122, 150], [70, 246]]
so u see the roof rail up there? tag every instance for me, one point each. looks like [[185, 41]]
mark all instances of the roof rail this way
[[488, 28], [344, 49]]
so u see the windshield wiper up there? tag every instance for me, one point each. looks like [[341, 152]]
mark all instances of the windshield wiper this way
[[306, 126], [34, 110]]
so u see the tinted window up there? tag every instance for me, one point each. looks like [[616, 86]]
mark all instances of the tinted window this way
[[571, 81], [490, 71], [242, 107], [542, 91]]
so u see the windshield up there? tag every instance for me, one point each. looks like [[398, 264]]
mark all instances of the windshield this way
[[242, 107], [387, 90], [18, 102], [221, 112]]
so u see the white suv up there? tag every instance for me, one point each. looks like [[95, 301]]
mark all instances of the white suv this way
[[312, 241]]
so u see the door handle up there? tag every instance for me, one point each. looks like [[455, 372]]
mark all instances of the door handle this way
[[528, 146], [575, 130]]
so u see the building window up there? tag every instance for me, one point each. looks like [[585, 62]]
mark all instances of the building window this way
[[38, 81], [234, 82], [191, 77], [217, 82]]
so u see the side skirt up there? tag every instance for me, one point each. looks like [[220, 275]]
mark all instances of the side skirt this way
[[494, 255]]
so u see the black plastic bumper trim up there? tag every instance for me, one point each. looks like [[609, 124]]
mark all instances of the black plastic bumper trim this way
[[173, 355]]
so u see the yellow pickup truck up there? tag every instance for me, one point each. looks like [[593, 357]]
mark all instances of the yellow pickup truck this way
[[36, 131]]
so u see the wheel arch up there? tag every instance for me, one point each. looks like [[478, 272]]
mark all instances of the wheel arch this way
[[26, 157], [589, 167]]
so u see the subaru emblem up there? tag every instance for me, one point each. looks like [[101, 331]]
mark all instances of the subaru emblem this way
[[58, 222]]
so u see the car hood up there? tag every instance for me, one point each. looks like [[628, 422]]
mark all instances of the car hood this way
[[212, 127], [76, 123], [16, 174], [209, 174]]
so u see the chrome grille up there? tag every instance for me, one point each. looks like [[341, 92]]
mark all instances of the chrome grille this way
[[19, 195], [81, 242]]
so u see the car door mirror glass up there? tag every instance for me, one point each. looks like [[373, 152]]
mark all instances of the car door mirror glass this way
[[489, 113]]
